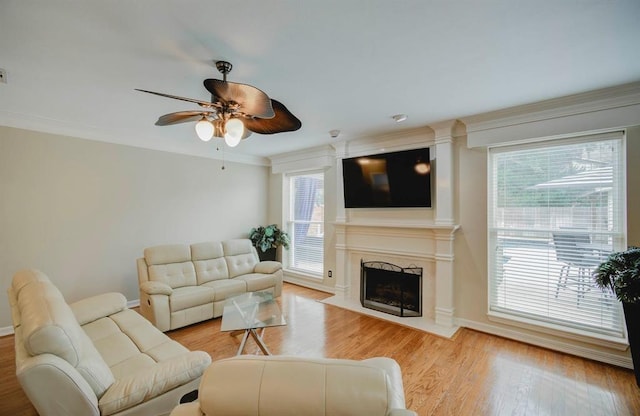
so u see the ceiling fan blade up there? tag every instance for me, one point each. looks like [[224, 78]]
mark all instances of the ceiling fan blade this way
[[251, 100], [205, 104], [181, 117], [283, 121]]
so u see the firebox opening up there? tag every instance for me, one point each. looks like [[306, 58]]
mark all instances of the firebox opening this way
[[392, 289]]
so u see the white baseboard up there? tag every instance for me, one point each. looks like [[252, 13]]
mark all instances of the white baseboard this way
[[555, 345], [7, 330], [308, 283]]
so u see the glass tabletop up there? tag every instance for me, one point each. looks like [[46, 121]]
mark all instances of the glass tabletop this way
[[251, 310]]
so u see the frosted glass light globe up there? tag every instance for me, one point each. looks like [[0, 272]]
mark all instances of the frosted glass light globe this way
[[204, 129], [234, 131]]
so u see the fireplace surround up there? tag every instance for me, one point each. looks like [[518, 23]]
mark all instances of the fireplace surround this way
[[421, 236]]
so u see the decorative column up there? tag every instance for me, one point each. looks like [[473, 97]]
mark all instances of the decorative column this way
[[341, 152], [444, 134], [444, 215], [342, 259], [444, 309]]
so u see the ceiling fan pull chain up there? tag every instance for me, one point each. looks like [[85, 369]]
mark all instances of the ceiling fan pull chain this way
[[218, 148]]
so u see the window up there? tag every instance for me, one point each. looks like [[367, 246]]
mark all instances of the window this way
[[556, 209], [305, 223]]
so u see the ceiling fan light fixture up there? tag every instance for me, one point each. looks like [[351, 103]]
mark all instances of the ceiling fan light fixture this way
[[234, 112], [204, 129], [234, 130]]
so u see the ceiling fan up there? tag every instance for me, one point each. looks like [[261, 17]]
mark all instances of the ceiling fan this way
[[235, 111]]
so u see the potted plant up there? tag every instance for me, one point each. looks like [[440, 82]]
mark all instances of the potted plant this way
[[620, 273], [267, 240]]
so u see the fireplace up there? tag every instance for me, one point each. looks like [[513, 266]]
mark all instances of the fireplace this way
[[392, 289]]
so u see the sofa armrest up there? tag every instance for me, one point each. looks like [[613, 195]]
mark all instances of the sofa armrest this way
[[394, 377], [146, 384], [96, 307], [156, 288], [46, 378], [267, 267]]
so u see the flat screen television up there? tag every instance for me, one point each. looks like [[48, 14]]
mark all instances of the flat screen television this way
[[388, 180]]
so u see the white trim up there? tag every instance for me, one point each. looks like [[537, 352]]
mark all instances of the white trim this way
[[586, 337], [305, 281], [390, 142], [7, 330], [555, 345], [609, 108], [318, 158]]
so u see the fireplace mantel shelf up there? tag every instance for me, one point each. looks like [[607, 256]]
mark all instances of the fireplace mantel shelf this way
[[441, 227]]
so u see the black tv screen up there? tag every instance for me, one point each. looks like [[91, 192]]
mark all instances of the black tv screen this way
[[388, 180]]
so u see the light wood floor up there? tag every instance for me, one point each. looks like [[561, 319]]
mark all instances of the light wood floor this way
[[471, 374]]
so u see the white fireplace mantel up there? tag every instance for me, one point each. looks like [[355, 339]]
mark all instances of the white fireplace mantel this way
[[429, 246]]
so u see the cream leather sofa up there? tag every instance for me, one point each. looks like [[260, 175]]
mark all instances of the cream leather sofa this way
[[95, 356], [293, 386], [181, 284]]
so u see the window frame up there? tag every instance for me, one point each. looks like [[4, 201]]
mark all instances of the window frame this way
[[619, 236], [288, 220]]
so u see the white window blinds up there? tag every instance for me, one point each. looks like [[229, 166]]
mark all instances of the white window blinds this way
[[306, 223], [556, 209]]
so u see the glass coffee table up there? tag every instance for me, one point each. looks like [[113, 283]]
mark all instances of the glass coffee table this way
[[249, 312]]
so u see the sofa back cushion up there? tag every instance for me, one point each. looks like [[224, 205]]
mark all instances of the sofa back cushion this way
[[240, 255], [171, 264], [252, 385], [50, 327], [209, 262]]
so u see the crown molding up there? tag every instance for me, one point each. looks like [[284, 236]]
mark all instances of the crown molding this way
[[389, 142], [320, 157], [597, 100]]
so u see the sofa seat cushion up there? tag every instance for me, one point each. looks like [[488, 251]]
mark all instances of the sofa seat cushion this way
[[227, 288], [190, 296], [258, 281], [114, 346], [138, 387], [144, 361], [129, 343]]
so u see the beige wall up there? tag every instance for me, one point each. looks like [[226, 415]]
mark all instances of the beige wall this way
[[83, 211], [633, 186]]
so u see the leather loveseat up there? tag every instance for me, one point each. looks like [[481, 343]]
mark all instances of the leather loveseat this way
[[95, 356], [183, 284], [293, 386]]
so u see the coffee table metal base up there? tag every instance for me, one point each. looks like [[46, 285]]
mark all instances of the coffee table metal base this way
[[256, 337]]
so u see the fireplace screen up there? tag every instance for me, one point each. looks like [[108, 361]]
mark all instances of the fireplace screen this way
[[388, 288]]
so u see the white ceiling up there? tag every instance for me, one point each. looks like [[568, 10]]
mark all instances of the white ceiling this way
[[348, 64]]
